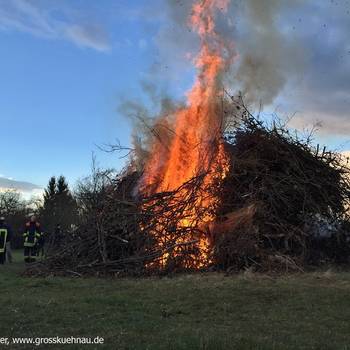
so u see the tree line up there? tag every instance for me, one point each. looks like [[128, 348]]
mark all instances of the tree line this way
[[59, 206]]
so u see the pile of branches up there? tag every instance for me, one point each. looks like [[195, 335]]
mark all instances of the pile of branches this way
[[121, 233], [284, 206], [108, 237], [292, 199]]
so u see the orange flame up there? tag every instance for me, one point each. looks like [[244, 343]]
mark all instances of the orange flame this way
[[196, 145]]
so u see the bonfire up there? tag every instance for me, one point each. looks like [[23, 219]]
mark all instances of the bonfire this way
[[218, 189], [191, 148]]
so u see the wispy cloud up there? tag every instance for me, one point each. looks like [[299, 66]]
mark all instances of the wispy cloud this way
[[34, 18], [9, 183], [88, 36]]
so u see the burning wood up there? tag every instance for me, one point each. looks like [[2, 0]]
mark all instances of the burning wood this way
[[195, 148], [274, 190], [211, 196]]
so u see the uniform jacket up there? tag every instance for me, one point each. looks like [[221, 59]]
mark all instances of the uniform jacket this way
[[32, 234], [9, 231]]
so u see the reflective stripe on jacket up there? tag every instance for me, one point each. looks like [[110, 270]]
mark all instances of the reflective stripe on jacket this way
[[32, 233], [3, 239], [31, 238]]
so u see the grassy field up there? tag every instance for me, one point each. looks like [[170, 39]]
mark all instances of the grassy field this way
[[209, 311]]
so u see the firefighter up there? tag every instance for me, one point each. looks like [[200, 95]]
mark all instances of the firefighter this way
[[5, 239], [32, 234]]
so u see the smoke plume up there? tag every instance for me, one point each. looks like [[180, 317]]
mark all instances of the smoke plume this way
[[267, 54], [259, 53]]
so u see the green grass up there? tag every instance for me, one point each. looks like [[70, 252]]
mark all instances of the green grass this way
[[208, 311]]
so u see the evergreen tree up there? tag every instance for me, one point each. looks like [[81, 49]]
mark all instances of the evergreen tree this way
[[62, 186], [59, 206], [50, 191], [48, 210]]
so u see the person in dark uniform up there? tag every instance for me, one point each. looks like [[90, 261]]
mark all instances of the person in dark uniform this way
[[32, 234], [5, 238]]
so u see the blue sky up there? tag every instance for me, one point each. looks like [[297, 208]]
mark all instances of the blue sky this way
[[66, 65], [59, 96]]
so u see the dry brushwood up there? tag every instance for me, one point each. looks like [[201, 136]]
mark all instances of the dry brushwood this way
[[300, 194], [283, 207]]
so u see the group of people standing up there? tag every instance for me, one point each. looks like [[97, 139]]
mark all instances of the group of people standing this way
[[33, 241]]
